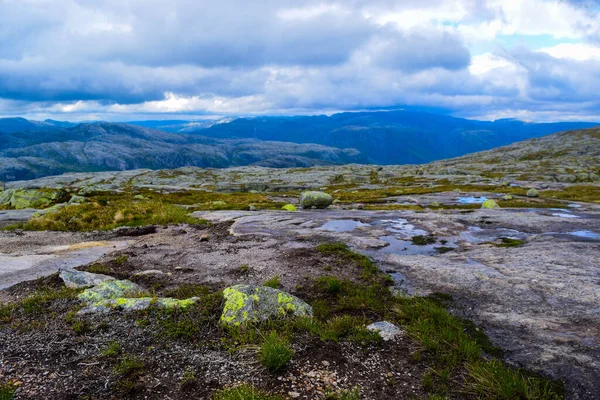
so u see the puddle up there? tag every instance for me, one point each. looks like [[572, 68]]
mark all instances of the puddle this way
[[564, 215], [472, 200], [342, 225], [402, 227], [408, 248], [574, 205], [477, 235], [586, 234]]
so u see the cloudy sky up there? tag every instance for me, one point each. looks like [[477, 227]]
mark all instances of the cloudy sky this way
[[75, 60]]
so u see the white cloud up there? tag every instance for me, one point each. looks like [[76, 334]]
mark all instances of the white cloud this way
[[575, 51]]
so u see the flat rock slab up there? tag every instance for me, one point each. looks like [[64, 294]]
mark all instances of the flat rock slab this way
[[539, 300], [27, 265]]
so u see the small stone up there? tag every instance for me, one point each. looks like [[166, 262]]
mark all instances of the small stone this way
[[294, 395], [204, 237], [325, 363], [386, 330]]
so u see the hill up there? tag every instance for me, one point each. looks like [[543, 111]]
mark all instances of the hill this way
[[571, 156], [47, 149], [393, 137]]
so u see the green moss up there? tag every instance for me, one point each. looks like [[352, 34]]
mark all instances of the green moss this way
[[421, 240], [510, 242]]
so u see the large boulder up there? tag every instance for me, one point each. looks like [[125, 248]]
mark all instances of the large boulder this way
[[80, 279], [29, 198], [532, 193], [315, 199], [251, 303], [109, 290]]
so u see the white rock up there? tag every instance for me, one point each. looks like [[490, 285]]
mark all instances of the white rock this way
[[386, 330]]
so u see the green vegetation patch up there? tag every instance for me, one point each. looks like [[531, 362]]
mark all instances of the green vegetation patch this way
[[510, 242], [95, 216], [275, 352], [244, 392]]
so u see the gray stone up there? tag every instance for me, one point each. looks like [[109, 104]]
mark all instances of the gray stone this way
[[532, 193], [386, 330], [82, 279], [76, 199]]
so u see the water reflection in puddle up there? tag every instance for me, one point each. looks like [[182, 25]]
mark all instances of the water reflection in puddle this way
[[586, 234], [472, 200], [342, 225], [564, 215], [402, 227]]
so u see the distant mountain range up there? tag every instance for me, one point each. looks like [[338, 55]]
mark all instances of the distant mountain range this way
[[48, 149], [31, 149]]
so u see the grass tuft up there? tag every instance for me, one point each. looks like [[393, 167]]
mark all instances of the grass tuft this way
[[244, 392], [112, 350], [274, 282], [275, 352]]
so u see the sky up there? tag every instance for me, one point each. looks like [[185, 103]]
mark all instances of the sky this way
[[120, 60]]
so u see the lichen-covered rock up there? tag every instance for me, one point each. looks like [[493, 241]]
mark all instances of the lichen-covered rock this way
[[289, 207], [29, 198], [532, 193], [251, 303], [507, 197], [489, 204], [5, 196], [109, 290], [136, 304], [82, 279], [49, 210], [76, 199], [386, 330], [139, 197], [315, 199]]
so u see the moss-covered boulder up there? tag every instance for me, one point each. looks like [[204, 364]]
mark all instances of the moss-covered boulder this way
[[109, 290], [289, 207], [251, 303], [490, 204], [532, 193], [29, 198], [315, 199]]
